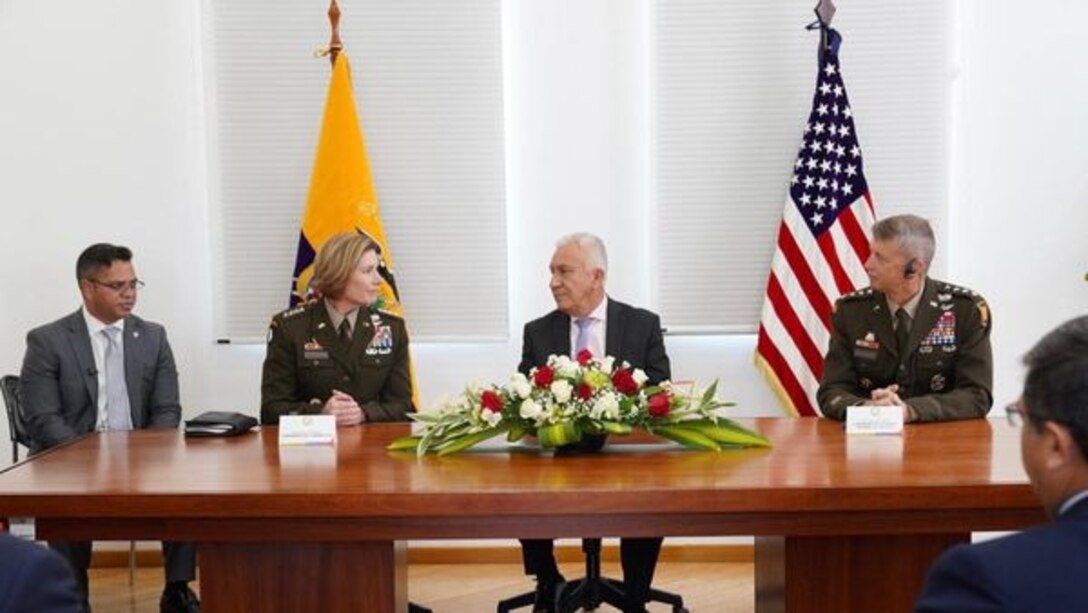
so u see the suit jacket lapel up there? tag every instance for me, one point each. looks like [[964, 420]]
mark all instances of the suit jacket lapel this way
[[322, 331], [924, 318], [361, 335], [880, 322], [613, 329], [133, 344], [561, 334], [80, 341]]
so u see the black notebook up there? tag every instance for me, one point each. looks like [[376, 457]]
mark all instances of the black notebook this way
[[219, 423]]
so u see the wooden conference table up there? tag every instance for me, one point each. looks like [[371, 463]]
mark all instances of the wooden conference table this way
[[841, 524]]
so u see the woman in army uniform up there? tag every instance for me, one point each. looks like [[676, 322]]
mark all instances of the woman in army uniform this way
[[340, 354]]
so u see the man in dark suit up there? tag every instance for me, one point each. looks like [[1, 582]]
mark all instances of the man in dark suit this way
[[585, 318], [103, 368], [1041, 569], [32, 578], [908, 340]]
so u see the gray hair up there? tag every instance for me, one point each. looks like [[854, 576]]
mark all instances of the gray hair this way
[[591, 244], [913, 233]]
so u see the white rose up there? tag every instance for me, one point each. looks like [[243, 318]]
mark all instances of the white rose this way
[[561, 389], [492, 417], [606, 407], [566, 367], [519, 385], [640, 377], [607, 363], [530, 409]]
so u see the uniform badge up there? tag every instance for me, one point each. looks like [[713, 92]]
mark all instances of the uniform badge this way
[[382, 341], [942, 334], [937, 383], [313, 350], [869, 342]]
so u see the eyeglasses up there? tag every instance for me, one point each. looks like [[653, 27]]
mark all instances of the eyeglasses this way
[[1015, 414], [118, 287]]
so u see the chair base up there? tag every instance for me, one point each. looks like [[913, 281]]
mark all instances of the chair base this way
[[591, 591]]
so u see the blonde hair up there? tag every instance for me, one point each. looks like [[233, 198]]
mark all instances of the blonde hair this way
[[337, 259]]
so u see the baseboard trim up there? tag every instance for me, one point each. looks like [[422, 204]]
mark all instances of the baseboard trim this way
[[739, 553]]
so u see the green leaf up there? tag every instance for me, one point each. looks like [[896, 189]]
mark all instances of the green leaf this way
[[516, 433], [464, 442], [709, 395], [559, 434], [728, 432], [686, 437], [612, 427], [405, 443]]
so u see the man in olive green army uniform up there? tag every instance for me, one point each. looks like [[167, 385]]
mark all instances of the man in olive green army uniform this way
[[908, 340], [339, 355]]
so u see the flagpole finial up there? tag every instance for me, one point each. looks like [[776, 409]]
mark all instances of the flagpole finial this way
[[334, 40], [825, 12]]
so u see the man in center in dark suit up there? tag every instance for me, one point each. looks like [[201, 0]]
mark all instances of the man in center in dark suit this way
[[102, 368], [586, 318], [1041, 569]]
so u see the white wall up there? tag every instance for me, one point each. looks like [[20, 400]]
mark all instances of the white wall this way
[[102, 137], [1019, 218]]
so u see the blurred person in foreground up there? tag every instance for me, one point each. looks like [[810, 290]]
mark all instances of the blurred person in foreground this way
[[1040, 569]]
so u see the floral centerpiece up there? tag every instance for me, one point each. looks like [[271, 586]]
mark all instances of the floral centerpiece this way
[[565, 400]]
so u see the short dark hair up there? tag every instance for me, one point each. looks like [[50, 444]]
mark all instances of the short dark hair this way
[[1056, 385], [99, 256]]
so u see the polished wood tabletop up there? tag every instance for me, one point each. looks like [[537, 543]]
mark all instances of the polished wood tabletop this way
[[861, 509], [813, 467]]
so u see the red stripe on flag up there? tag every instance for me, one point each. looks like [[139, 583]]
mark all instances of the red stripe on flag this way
[[855, 234], [826, 243], [766, 348], [798, 263], [788, 318]]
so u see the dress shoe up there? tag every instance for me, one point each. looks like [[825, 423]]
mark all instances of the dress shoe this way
[[544, 601], [178, 598]]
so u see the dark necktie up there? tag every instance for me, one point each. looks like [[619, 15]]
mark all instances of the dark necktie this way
[[345, 331], [902, 330]]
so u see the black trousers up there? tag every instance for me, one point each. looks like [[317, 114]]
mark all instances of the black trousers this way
[[638, 557], [179, 559]]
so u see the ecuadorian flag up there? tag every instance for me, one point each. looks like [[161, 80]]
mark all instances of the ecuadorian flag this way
[[341, 196]]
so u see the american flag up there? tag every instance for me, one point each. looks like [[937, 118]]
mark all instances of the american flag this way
[[823, 242]]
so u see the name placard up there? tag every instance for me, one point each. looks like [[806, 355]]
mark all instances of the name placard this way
[[869, 419], [307, 430]]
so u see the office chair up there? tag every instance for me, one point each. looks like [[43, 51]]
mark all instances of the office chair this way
[[13, 403], [9, 385], [591, 591]]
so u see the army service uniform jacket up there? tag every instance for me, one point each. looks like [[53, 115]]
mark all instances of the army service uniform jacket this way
[[307, 360], [946, 371]]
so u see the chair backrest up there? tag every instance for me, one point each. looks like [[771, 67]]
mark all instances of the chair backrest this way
[[9, 385]]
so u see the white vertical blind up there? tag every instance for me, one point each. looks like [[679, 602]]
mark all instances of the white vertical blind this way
[[428, 84], [731, 88]]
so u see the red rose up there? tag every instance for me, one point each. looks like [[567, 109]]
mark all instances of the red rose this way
[[584, 356], [491, 401], [659, 404], [585, 392], [625, 382], [543, 376]]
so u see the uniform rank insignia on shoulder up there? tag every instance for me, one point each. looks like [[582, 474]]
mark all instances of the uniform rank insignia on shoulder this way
[[860, 294], [293, 312]]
